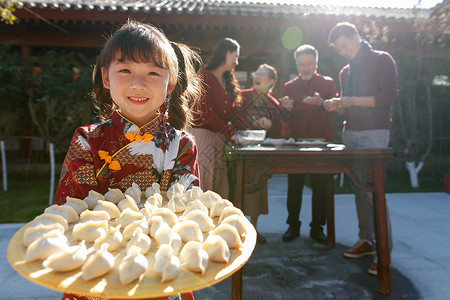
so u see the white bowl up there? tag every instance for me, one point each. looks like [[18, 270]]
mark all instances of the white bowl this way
[[250, 137]]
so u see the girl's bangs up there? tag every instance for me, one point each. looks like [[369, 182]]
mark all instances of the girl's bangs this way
[[140, 47]]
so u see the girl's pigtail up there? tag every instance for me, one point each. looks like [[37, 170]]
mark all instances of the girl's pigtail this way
[[187, 90], [103, 103]]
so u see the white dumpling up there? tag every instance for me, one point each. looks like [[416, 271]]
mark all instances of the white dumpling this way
[[188, 231], [114, 195], [176, 203], [113, 237], [155, 200], [237, 222], [45, 246], [99, 263], [128, 216], [151, 190], [165, 235], [229, 211], [134, 192], [109, 207], [193, 194], [176, 188], [48, 219], [70, 259], [129, 230], [140, 240], [201, 218], [194, 257], [146, 211], [218, 206], [89, 231], [209, 198], [64, 211], [168, 216], [128, 202], [166, 263], [77, 204], [217, 248], [35, 232], [229, 234], [132, 266], [90, 215], [193, 205], [92, 198], [155, 222]]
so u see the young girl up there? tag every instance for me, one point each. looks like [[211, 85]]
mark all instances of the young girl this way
[[212, 127], [144, 87]]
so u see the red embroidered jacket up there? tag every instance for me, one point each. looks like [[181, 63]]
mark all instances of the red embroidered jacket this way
[[116, 153]]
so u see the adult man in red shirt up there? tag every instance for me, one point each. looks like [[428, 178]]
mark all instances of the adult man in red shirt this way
[[303, 98]]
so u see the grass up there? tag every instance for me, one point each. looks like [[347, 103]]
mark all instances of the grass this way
[[28, 197], [25, 198]]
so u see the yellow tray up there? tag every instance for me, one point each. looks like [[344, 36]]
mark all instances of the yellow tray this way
[[149, 285]]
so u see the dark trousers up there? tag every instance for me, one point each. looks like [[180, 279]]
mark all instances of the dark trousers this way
[[319, 184]]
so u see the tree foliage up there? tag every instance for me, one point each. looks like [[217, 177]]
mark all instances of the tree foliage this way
[[414, 108], [49, 89], [60, 84], [7, 8]]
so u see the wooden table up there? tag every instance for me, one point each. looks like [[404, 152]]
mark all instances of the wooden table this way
[[365, 167]]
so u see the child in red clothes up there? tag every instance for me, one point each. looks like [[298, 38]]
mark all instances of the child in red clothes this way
[[144, 87]]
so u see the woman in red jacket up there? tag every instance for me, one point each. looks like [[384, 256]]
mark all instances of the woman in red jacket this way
[[212, 128]]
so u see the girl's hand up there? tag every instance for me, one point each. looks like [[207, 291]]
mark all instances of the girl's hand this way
[[287, 103]]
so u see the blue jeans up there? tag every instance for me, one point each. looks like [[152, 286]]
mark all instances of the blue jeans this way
[[364, 201]]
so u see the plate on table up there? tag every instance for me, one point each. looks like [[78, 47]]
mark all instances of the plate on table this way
[[278, 142], [311, 142], [149, 285]]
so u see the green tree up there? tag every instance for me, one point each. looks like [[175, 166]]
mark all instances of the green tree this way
[[7, 8], [413, 110], [60, 85], [12, 96]]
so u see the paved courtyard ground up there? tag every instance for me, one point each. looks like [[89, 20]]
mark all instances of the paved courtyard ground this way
[[304, 269]]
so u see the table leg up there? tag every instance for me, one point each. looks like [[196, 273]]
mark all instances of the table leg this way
[[238, 198], [330, 214], [238, 188], [236, 285], [384, 284]]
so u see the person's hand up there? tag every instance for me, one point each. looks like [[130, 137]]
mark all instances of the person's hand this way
[[287, 103], [233, 139], [314, 100], [331, 104], [343, 102], [265, 123]]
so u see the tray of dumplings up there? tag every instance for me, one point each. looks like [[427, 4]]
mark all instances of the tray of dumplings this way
[[135, 244]]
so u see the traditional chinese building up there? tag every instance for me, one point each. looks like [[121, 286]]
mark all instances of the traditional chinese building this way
[[268, 33]]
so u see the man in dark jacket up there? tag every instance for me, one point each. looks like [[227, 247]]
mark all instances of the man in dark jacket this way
[[368, 90]]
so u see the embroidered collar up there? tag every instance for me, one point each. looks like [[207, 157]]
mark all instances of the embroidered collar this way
[[132, 133], [126, 126]]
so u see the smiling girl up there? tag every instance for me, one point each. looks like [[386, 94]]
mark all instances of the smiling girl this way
[[144, 87]]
